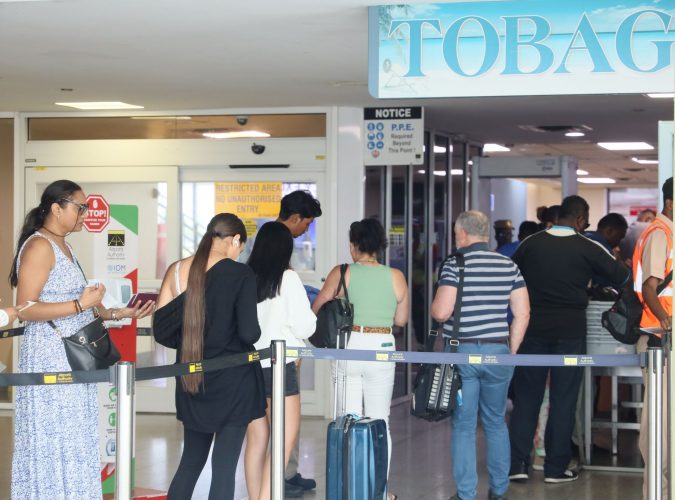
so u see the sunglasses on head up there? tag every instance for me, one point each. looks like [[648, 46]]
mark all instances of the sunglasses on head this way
[[82, 208]]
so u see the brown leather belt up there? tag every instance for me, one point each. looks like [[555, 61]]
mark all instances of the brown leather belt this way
[[371, 329], [484, 341]]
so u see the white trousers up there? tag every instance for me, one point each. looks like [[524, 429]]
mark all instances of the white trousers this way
[[369, 384]]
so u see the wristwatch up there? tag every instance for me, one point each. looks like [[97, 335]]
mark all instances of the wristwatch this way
[[4, 318]]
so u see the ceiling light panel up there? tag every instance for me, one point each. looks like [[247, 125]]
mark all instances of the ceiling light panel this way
[[494, 148], [104, 105], [596, 180], [243, 134], [626, 146], [643, 161]]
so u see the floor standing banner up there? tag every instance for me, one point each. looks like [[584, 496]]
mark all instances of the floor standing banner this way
[[115, 251]]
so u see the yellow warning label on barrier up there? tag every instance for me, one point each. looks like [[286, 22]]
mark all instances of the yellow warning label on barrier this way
[[195, 367], [5, 335], [253, 356], [293, 353], [49, 379], [571, 361], [475, 360], [382, 356]]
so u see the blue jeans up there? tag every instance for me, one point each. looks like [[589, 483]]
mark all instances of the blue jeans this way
[[484, 389]]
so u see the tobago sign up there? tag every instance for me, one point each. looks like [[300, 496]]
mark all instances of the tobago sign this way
[[521, 47]]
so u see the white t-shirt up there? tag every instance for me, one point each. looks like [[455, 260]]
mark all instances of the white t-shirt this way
[[288, 316]]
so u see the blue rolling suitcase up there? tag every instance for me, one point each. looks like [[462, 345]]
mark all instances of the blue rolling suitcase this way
[[356, 458]]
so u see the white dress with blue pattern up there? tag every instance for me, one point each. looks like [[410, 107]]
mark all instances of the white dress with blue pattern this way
[[56, 427]]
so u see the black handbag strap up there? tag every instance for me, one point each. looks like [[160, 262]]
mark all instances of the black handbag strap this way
[[342, 286], [457, 312]]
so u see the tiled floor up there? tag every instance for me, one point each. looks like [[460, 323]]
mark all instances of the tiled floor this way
[[421, 467]]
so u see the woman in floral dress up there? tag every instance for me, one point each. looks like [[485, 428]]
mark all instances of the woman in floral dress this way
[[56, 427]]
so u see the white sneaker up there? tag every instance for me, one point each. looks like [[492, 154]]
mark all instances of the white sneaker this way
[[565, 477]]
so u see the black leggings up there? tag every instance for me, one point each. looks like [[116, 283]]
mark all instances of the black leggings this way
[[196, 446]]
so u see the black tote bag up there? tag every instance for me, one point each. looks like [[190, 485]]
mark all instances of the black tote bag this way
[[335, 316]]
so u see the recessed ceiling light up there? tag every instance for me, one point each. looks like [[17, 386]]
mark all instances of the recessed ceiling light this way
[[574, 134], [242, 134], [581, 172], [626, 146], [99, 105], [456, 171], [494, 148], [596, 180], [161, 117], [644, 162], [662, 95]]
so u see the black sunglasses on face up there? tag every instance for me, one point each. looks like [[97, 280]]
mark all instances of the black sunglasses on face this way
[[82, 208]]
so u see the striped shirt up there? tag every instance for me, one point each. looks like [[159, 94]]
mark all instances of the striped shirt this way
[[489, 279]]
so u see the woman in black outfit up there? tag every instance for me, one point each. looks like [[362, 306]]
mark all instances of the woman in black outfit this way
[[215, 316]]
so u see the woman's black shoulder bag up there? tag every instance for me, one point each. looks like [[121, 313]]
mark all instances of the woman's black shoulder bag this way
[[335, 316], [90, 348]]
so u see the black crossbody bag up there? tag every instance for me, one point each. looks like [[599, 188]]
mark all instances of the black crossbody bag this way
[[335, 317], [91, 347], [436, 385]]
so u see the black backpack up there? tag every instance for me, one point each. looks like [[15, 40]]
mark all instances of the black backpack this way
[[622, 320]]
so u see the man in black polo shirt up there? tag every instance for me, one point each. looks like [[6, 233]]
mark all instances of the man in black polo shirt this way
[[557, 265]]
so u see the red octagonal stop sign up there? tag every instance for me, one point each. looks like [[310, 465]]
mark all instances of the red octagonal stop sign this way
[[98, 216]]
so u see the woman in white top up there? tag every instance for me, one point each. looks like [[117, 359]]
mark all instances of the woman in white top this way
[[284, 313]]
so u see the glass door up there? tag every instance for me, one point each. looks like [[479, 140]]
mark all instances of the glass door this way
[[254, 195], [414, 202], [148, 190]]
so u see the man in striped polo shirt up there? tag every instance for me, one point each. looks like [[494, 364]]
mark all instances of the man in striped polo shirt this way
[[492, 282]]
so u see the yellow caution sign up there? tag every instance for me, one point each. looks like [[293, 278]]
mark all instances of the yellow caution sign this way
[[195, 367], [475, 360], [382, 356], [253, 356], [249, 200]]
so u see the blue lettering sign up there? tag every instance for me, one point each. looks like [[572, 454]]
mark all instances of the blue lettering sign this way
[[415, 41], [513, 43], [451, 46], [592, 45], [624, 38]]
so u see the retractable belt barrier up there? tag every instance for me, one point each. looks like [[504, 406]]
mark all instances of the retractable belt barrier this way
[[208, 365], [470, 359], [149, 373]]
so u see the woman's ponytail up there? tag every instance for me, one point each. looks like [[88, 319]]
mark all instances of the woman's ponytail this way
[[56, 192]]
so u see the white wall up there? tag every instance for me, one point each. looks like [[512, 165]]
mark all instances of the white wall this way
[[539, 194], [509, 201]]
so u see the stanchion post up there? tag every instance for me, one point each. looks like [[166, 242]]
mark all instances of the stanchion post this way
[[655, 465], [278, 417], [124, 380]]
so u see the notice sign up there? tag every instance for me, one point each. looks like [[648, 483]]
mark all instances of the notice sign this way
[[249, 200], [393, 136]]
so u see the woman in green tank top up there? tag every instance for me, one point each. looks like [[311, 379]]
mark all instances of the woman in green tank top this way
[[379, 294]]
